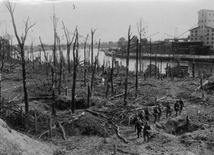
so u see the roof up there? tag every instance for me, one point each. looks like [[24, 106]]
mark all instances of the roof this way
[[209, 27], [194, 28], [206, 10]]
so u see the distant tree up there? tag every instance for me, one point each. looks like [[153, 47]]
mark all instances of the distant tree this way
[[122, 42], [21, 43]]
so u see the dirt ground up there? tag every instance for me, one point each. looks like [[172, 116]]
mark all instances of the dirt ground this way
[[198, 139]]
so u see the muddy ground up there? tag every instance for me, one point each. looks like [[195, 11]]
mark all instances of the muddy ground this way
[[94, 134]]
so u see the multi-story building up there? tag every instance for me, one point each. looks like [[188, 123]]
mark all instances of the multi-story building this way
[[204, 32]]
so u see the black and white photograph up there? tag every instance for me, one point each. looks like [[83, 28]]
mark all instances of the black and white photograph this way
[[106, 77]]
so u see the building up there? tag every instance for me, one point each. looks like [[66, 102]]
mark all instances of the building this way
[[204, 32]]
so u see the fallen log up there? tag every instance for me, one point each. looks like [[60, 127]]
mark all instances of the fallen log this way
[[119, 95], [96, 114], [40, 98], [161, 98], [144, 84], [117, 129], [76, 117], [46, 132], [63, 131]]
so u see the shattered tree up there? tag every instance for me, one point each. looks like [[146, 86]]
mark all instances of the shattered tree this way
[[21, 43]]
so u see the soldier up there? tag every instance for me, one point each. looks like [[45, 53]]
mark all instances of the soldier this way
[[146, 129], [168, 110], [139, 128], [134, 121], [176, 108], [146, 112], [140, 115], [155, 114], [159, 112], [181, 105]]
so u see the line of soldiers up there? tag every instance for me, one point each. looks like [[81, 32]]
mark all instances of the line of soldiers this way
[[142, 121]]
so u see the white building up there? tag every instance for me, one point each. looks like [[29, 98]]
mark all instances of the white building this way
[[204, 32]]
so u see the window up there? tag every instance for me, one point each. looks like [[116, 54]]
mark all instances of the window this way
[[212, 34], [196, 31], [195, 38], [212, 38], [195, 34], [211, 42], [208, 30], [207, 38], [207, 43], [212, 30]]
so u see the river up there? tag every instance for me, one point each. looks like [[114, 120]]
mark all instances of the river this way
[[106, 60]]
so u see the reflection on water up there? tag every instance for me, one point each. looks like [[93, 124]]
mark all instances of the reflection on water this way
[[106, 61], [161, 64]]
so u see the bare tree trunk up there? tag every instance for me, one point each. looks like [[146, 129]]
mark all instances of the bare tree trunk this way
[[0, 92], [127, 66], [24, 80], [112, 74], [69, 42], [21, 43], [94, 69], [60, 67], [3, 55], [92, 52], [150, 63], [89, 96], [156, 62], [46, 57], [136, 82], [55, 20], [75, 62], [53, 87], [85, 70]]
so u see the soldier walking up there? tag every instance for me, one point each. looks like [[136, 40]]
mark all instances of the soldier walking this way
[[181, 105], [146, 134], [168, 110], [176, 108]]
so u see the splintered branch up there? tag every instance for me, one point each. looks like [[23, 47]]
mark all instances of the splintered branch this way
[[63, 131]]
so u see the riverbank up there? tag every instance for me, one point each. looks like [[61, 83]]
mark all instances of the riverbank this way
[[196, 58]]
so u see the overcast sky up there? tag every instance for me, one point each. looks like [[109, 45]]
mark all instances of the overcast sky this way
[[110, 18]]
